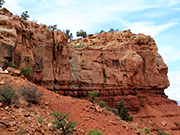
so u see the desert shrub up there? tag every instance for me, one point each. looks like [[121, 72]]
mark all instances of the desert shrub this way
[[162, 132], [146, 130], [26, 71], [7, 64], [40, 120], [25, 15], [79, 46], [6, 94], [81, 33], [176, 123], [102, 103], [53, 27], [30, 94], [60, 123], [120, 106], [93, 95], [22, 130], [108, 108], [94, 132], [125, 115], [123, 112]]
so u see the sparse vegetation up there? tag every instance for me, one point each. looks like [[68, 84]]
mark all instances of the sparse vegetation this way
[[146, 130], [176, 123], [60, 123], [94, 132], [68, 34], [30, 94], [25, 15], [111, 30], [108, 108], [120, 106], [102, 31], [26, 71], [81, 33], [125, 115], [161, 132], [40, 120], [7, 64], [6, 94], [123, 112], [79, 46], [102, 103], [22, 130], [1, 3], [52, 27], [93, 95]]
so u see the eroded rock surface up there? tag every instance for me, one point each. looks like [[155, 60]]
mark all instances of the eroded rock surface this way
[[118, 65]]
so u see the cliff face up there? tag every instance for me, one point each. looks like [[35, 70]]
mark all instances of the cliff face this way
[[118, 65], [113, 63]]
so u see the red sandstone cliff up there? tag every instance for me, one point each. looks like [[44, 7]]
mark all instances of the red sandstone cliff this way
[[118, 65]]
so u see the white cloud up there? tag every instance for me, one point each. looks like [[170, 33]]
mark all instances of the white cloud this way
[[13, 6], [173, 91], [170, 54]]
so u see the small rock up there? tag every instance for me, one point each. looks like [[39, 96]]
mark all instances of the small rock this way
[[86, 119], [6, 108], [163, 123], [50, 125], [0, 104], [112, 122], [12, 129]]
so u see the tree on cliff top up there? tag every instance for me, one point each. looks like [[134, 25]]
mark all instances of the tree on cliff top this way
[[52, 27], [81, 33], [1, 3], [25, 15], [68, 34]]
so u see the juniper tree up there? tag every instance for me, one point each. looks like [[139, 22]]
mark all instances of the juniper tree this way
[[81, 33], [25, 15], [1, 3]]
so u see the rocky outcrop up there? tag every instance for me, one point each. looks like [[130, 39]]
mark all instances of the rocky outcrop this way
[[114, 63], [118, 65]]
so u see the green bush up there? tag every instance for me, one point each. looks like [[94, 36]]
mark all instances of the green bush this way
[[94, 132], [146, 130], [125, 115], [30, 94], [81, 33], [161, 132], [7, 64], [102, 103], [6, 94], [108, 108], [26, 71], [93, 95], [60, 123], [40, 120], [123, 112], [25, 15]]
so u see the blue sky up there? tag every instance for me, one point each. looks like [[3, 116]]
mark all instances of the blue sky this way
[[158, 18]]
